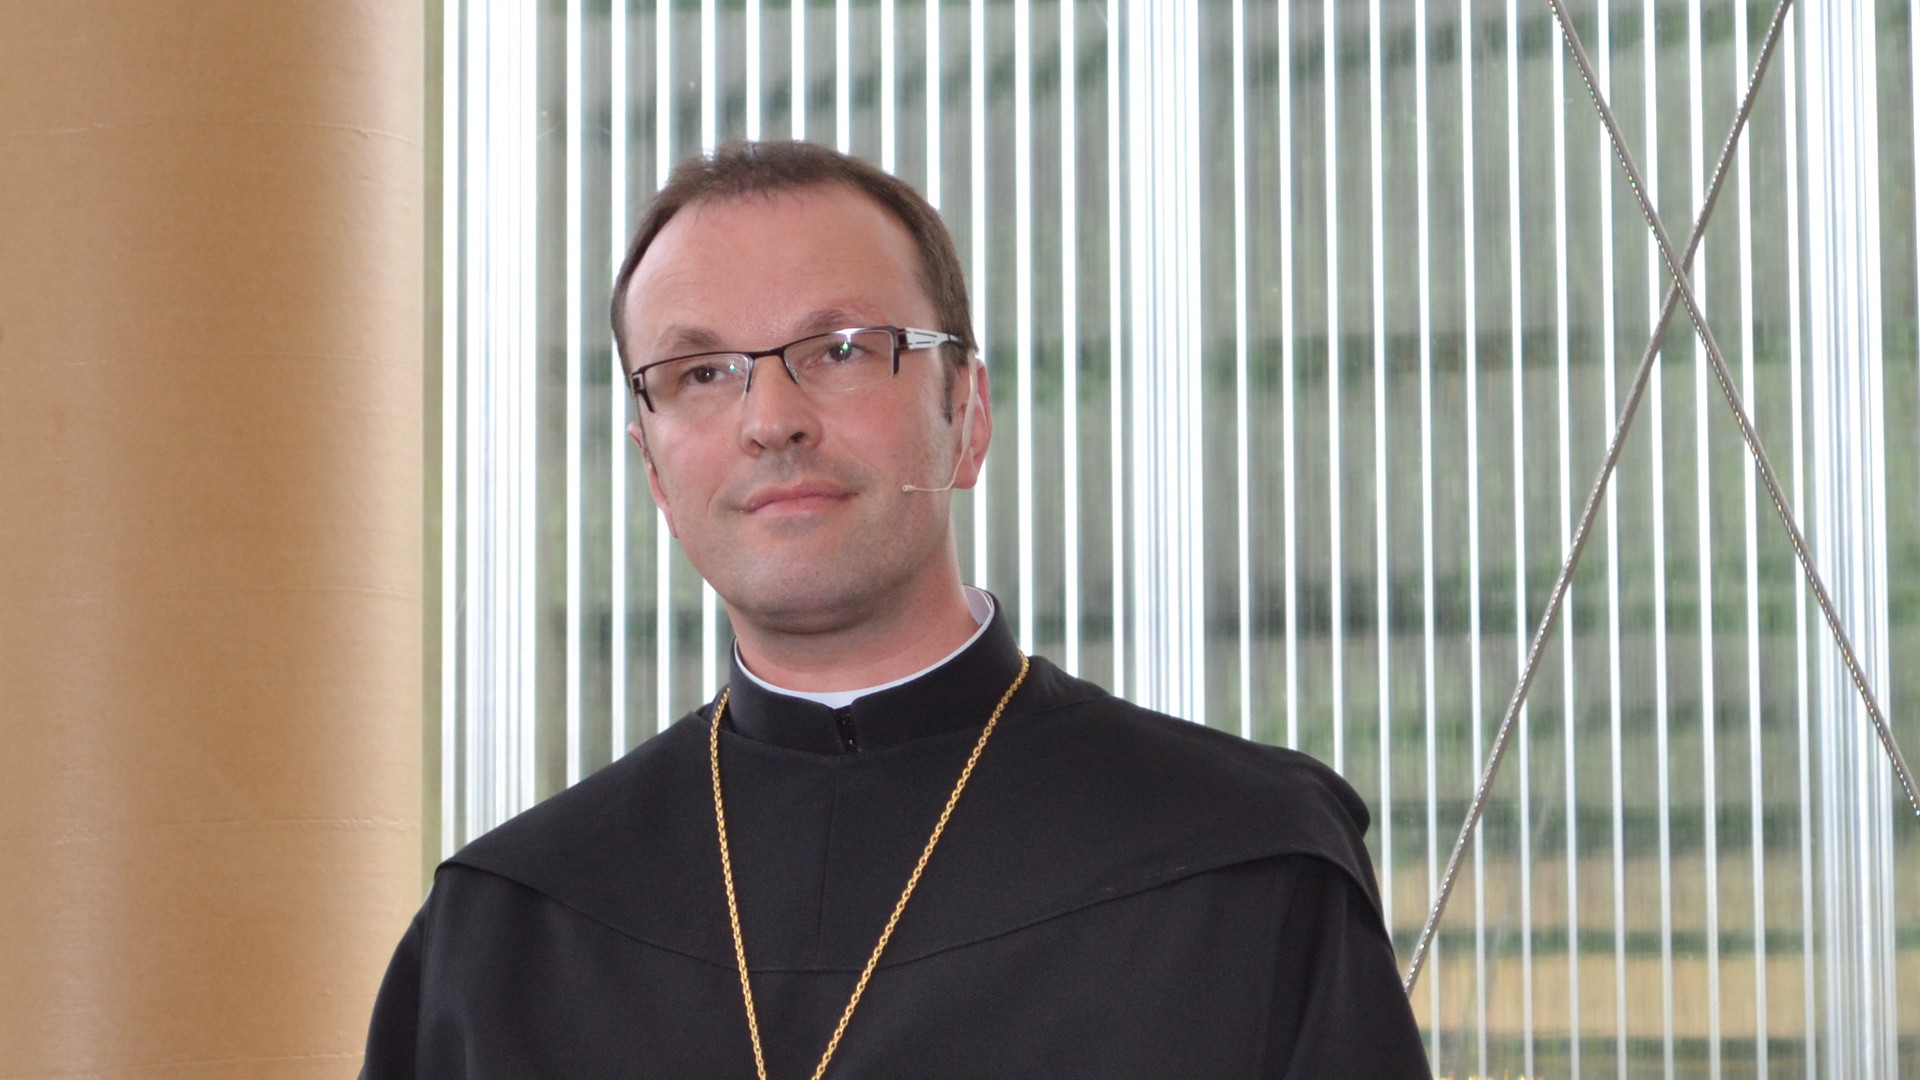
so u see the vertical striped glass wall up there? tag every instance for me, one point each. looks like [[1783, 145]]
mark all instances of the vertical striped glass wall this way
[[1308, 323]]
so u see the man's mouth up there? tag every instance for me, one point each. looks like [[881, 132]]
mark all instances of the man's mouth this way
[[795, 498]]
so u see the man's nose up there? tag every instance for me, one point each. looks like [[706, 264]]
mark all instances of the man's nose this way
[[775, 413]]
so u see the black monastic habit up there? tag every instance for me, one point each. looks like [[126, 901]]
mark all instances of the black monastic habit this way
[[1118, 894]]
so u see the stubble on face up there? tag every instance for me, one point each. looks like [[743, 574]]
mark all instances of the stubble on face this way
[[824, 571]]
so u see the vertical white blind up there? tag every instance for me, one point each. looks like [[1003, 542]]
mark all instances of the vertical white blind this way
[[1308, 323], [1855, 872]]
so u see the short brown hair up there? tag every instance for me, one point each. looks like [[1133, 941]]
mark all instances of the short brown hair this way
[[738, 169]]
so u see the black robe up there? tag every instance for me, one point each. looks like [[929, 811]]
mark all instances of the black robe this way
[[1118, 894]]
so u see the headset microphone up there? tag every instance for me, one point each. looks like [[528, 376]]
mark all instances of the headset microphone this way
[[966, 440]]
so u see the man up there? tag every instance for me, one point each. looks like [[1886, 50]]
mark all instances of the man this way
[[894, 847]]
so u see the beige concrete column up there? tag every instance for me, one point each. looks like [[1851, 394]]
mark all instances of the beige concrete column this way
[[210, 530]]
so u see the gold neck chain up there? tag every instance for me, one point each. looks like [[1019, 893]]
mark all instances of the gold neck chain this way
[[733, 904]]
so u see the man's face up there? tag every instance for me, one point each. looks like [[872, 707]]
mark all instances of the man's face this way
[[790, 504]]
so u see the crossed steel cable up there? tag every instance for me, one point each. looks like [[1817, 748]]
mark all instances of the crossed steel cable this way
[[1679, 293]]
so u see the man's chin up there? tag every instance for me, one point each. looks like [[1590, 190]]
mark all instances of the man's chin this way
[[799, 603]]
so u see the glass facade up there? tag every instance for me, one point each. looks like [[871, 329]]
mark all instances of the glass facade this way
[[1308, 325]]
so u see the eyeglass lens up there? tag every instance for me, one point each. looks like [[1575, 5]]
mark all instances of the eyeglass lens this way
[[825, 363]]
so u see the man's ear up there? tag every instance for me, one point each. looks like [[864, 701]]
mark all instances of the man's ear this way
[[976, 413], [653, 476]]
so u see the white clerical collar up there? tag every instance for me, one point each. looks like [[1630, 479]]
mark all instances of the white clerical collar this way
[[979, 605]]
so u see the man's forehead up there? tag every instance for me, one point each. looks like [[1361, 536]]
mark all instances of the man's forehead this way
[[837, 250], [782, 208]]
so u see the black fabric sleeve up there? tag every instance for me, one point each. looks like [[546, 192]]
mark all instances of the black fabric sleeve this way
[[393, 1036], [1338, 1008]]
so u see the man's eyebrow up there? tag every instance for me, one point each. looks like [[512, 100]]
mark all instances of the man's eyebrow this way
[[680, 340], [686, 339], [832, 318]]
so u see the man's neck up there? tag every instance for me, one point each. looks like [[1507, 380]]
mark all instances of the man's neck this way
[[979, 604], [877, 650]]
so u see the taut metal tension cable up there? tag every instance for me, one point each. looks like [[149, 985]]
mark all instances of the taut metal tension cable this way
[[1747, 432], [1635, 392], [1680, 291]]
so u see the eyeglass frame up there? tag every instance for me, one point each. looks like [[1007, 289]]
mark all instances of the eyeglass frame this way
[[903, 338]]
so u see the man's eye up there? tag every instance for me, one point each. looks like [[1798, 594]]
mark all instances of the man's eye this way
[[701, 375], [842, 351]]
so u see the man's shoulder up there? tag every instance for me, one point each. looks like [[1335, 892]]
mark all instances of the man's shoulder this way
[[1095, 734], [577, 831], [1184, 796]]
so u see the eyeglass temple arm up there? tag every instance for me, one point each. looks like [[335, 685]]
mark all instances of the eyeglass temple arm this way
[[925, 339]]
